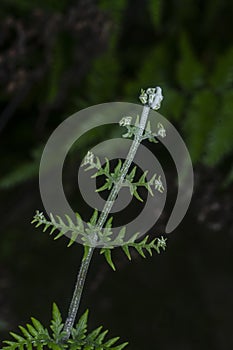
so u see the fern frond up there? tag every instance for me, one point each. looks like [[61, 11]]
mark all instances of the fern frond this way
[[132, 130], [144, 246], [99, 236], [36, 336], [155, 182], [90, 235], [57, 224], [141, 247], [94, 340], [33, 335]]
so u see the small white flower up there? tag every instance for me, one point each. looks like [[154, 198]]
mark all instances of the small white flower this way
[[89, 158], [125, 121], [161, 130], [157, 98], [39, 215], [158, 185], [161, 243], [152, 96], [143, 97]]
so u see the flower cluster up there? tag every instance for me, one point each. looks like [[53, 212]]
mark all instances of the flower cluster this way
[[158, 185], [161, 130], [125, 121], [152, 96], [88, 159], [161, 243]]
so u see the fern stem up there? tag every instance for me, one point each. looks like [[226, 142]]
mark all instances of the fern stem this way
[[74, 305], [129, 159]]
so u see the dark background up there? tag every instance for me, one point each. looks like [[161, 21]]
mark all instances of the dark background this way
[[58, 57]]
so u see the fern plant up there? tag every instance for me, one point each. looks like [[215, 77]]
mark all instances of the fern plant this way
[[97, 232], [37, 336]]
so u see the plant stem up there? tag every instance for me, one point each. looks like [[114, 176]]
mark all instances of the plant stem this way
[[129, 159], [74, 305]]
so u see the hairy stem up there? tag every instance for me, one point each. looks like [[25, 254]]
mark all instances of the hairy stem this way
[[129, 159], [74, 305]]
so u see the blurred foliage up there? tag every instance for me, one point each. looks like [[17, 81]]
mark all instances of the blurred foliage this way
[[59, 57]]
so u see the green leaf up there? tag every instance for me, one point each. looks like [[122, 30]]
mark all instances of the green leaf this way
[[93, 335], [106, 186], [131, 175], [17, 337], [56, 314], [106, 168], [143, 177], [25, 332], [118, 169], [126, 251], [38, 326], [31, 329], [135, 193], [86, 251], [94, 218], [109, 222], [108, 257]]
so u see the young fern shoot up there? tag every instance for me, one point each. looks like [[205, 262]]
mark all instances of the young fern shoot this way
[[98, 232], [151, 99]]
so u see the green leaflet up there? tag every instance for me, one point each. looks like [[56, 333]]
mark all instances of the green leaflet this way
[[36, 336], [103, 237], [57, 224], [112, 177], [141, 247]]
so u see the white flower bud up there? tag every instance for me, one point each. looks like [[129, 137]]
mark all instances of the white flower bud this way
[[161, 130], [156, 99], [152, 96], [125, 121], [89, 158], [143, 97], [158, 185]]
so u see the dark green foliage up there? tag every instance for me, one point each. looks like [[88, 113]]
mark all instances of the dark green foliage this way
[[220, 140], [155, 9], [24, 172], [190, 72], [35, 335], [201, 116]]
